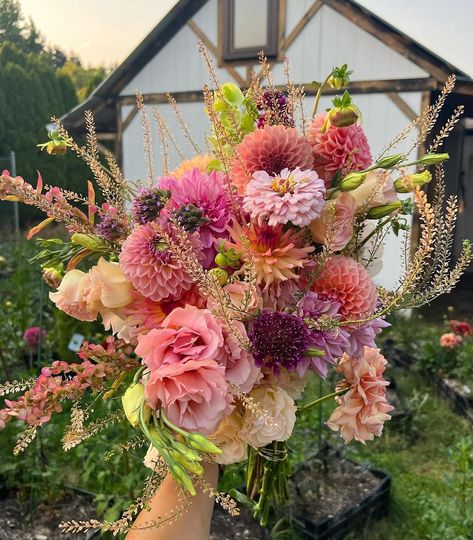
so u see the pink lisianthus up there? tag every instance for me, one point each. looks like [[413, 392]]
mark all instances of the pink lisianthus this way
[[194, 393], [450, 340], [363, 409], [334, 227], [291, 196], [343, 149], [240, 368], [186, 334]]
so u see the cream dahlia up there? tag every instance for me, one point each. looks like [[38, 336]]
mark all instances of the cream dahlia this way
[[342, 149], [296, 196], [149, 264], [270, 149], [346, 281], [274, 253], [362, 410]]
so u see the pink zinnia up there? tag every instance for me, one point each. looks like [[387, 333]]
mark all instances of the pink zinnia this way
[[450, 340], [296, 196], [346, 281], [153, 270], [341, 149], [270, 149], [362, 410]]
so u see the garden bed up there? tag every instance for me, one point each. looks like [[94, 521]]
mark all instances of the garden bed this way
[[458, 394], [226, 527], [335, 495]]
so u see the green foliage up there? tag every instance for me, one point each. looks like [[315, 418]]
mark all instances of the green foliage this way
[[85, 80]]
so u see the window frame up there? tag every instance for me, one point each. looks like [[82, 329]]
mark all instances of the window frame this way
[[227, 30]]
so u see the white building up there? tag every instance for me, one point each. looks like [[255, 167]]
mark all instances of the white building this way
[[394, 79]]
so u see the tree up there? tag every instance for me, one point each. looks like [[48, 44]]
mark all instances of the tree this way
[[14, 29]]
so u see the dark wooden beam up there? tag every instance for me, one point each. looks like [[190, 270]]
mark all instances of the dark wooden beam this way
[[395, 40], [355, 87], [403, 106]]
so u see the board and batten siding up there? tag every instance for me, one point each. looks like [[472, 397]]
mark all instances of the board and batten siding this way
[[328, 39]]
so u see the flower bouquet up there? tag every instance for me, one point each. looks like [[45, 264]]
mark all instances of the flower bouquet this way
[[228, 281]]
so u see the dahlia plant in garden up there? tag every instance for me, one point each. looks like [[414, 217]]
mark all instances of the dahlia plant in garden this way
[[228, 282]]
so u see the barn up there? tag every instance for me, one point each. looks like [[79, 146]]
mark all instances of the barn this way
[[394, 79]]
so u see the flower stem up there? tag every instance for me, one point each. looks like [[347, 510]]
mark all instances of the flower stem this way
[[313, 404], [319, 93]]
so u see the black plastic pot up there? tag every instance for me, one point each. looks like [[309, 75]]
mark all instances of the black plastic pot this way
[[372, 507], [461, 403]]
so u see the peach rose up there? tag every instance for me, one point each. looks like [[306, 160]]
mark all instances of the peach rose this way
[[259, 430], [194, 393], [335, 224], [228, 439]]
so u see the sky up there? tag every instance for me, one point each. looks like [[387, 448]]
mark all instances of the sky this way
[[106, 31]]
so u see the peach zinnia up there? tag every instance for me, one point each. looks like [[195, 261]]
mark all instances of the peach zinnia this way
[[270, 149], [275, 254]]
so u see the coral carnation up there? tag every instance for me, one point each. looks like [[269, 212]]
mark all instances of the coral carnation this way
[[151, 267], [342, 149], [345, 281], [363, 410], [296, 196], [270, 149]]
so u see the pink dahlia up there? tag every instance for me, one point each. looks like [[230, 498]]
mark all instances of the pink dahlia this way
[[275, 254], [148, 263], [296, 196], [450, 340], [346, 281], [342, 149], [362, 410], [270, 149]]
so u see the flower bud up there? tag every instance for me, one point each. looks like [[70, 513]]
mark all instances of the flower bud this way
[[220, 275], [314, 353], [202, 444], [352, 181], [432, 159], [52, 277], [181, 477], [232, 94], [408, 183], [187, 452], [343, 116], [221, 259], [336, 82], [388, 162], [132, 402], [384, 210], [89, 241], [193, 467]]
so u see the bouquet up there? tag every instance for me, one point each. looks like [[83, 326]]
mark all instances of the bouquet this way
[[229, 281]]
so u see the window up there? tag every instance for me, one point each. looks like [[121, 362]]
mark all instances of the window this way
[[249, 26]]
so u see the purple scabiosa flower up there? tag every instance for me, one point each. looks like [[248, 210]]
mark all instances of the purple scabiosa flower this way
[[111, 227], [279, 340], [363, 335], [148, 204], [201, 200], [332, 341], [33, 335], [291, 196]]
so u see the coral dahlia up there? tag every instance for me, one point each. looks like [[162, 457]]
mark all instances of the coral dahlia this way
[[270, 149], [274, 253], [151, 267], [346, 281], [342, 149], [296, 196]]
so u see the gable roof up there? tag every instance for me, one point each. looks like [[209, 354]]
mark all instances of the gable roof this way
[[102, 101]]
